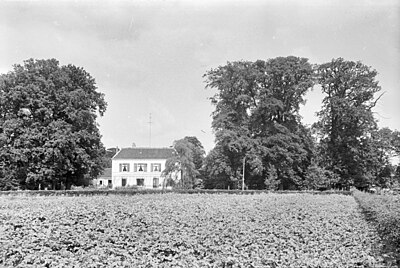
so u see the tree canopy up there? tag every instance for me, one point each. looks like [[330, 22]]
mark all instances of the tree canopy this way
[[256, 121], [48, 130], [256, 118], [188, 161], [346, 123]]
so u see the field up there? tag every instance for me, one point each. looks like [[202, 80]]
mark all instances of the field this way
[[186, 230]]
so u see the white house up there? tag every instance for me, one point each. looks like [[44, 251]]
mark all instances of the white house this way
[[104, 179], [140, 167]]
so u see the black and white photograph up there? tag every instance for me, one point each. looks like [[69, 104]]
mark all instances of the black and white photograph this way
[[189, 133]]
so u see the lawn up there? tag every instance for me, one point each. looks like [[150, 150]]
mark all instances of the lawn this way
[[186, 230]]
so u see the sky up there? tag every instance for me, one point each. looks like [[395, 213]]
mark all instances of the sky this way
[[149, 57]]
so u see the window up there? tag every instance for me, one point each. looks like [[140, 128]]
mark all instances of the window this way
[[140, 182], [109, 183], [156, 167], [155, 182], [123, 182], [101, 182], [124, 167], [140, 167]]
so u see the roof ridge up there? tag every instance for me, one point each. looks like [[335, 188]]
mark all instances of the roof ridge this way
[[144, 152]]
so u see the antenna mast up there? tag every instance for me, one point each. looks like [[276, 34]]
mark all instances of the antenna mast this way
[[150, 122]]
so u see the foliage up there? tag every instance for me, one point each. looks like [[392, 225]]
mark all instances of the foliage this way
[[271, 181], [187, 161], [382, 148], [218, 169], [198, 155], [123, 191], [318, 178], [256, 118], [395, 142], [48, 132], [109, 154], [197, 151], [384, 211], [180, 230], [396, 177], [346, 123], [7, 184], [386, 177]]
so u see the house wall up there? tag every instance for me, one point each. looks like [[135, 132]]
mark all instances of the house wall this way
[[132, 177], [102, 182]]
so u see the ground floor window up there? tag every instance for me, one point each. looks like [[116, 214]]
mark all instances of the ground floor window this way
[[156, 182], [140, 182], [123, 182]]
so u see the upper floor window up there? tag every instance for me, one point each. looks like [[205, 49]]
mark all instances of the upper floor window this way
[[140, 167], [156, 167], [123, 167]]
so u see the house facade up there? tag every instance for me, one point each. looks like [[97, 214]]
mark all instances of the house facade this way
[[141, 167]]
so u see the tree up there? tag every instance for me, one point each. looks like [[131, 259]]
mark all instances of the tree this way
[[271, 180], [187, 161], [48, 131], [218, 169], [346, 123], [198, 155], [394, 137], [319, 178], [109, 154], [256, 118], [396, 177]]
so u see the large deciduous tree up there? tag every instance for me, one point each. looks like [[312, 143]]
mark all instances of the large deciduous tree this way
[[346, 121], [48, 130], [188, 161], [256, 120]]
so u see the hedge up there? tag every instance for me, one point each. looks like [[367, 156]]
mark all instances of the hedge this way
[[91, 191], [384, 212]]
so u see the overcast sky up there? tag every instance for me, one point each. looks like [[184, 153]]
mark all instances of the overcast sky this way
[[148, 57]]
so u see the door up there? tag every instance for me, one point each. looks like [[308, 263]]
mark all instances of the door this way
[[155, 182]]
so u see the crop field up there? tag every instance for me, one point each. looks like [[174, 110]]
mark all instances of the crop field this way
[[186, 230]]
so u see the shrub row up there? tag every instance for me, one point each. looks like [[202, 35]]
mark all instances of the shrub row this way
[[384, 212], [91, 191]]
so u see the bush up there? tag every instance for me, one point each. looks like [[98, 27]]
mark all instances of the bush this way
[[134, 191], [384, 212]]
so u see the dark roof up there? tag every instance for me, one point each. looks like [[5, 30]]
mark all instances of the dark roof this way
[[106, 173], [144, 153]]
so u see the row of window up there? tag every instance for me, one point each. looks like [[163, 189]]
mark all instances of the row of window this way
[[125, 167], [140, 182], [107, 183]]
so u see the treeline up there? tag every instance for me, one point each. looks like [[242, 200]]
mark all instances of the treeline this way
[[49, 137], [258, 128]]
